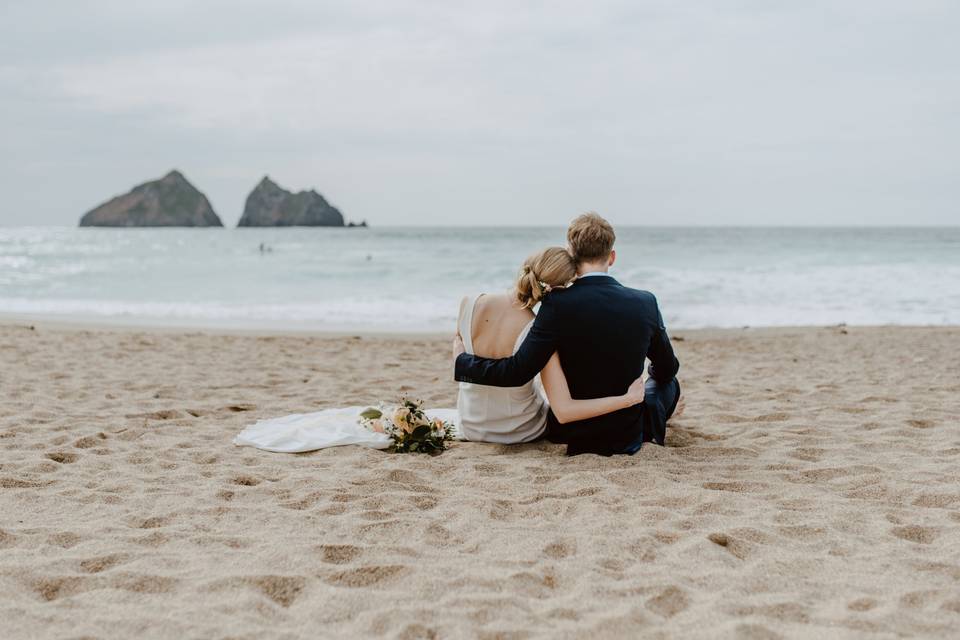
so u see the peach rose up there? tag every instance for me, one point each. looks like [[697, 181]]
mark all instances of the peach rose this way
[[401, 418]]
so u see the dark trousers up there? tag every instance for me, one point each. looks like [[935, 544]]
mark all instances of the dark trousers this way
[[661, 401]]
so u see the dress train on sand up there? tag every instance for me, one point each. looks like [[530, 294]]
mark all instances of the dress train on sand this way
[[322, 429]]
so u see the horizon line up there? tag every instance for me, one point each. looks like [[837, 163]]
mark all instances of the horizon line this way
[[520, 226]]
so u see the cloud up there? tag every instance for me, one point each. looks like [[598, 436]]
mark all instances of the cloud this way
[[732, 112]]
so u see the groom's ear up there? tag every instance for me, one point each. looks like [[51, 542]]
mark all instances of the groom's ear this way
[[613, 257]]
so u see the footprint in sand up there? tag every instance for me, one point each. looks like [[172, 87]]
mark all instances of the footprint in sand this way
[[853, 410], [736, 487], [488, 469], [501, 510], [154, 539], [339, 553], [425, 503], [669, 602], [164, 414], [64, 539], [534, 584], [438, 535], [737, 548], [755, 632], [951, 605], [281, 590], [101, 563], [784, 612], [404, 477], [50, 589], [366, 576], [558, 550], [303, 503], [937, 500], [862, 604], [20, 483], [808, 454], [915, 533], [88, 442], [918, 599], [154, 522], [375, 515], [239, 408], [772, 417]]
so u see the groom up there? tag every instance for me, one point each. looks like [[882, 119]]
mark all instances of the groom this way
[[603, 331]]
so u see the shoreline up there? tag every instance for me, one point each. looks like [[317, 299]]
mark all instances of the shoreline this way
[[124, 325], [148, 325]]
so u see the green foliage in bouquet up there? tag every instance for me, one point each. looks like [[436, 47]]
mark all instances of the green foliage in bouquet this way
[[411, 430]]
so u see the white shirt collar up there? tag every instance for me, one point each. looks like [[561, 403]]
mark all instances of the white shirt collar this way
[[593, 273]]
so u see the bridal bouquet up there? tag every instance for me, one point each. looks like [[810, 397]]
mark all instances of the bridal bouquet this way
[[409, 427]]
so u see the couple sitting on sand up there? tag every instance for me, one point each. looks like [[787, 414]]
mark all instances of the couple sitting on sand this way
[[588, 343]]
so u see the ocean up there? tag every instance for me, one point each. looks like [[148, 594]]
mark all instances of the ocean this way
[[411, 279]]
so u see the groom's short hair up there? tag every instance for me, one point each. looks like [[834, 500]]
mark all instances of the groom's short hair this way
[[590, 238]]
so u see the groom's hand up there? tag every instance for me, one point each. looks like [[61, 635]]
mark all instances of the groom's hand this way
[[458, 347]]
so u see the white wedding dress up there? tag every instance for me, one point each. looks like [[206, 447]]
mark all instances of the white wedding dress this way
[[328, 428], [505, 415]]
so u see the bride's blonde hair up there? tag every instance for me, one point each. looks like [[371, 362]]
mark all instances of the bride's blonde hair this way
[[552, 268]]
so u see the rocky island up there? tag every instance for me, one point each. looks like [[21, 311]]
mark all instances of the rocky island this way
[[170, 201], [270, 205]]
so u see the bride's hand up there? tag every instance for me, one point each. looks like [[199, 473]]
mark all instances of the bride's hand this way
[[458, 347], [635, 392]]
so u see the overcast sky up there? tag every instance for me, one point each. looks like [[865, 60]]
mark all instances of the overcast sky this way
[[650, 112]]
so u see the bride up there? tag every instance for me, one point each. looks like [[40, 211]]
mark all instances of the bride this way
[[489, 325]]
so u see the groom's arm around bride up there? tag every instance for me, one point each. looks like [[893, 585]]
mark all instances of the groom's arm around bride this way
[[602, 332]]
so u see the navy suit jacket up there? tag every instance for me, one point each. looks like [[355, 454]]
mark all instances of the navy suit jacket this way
[[603, 331]]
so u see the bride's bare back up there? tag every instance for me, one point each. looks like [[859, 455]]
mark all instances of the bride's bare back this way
[[497, 323]]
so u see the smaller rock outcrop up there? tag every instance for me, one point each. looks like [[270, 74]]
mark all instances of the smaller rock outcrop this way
[[170, 201], [270, 205]]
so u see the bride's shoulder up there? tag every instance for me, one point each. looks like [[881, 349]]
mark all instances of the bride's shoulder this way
[[508, 306], [499, 304]]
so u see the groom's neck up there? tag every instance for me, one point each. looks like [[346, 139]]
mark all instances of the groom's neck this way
[[593, 267]]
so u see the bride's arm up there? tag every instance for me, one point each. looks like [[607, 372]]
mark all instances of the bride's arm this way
[[566, 409]]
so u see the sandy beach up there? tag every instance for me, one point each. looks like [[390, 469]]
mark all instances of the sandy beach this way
[[811, 489]]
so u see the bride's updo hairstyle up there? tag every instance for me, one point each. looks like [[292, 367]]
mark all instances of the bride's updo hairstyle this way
[[552, 268]]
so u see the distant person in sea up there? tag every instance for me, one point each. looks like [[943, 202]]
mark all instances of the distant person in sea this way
[[572, 373], [588, 341]]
